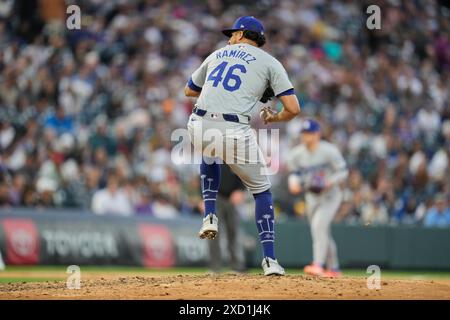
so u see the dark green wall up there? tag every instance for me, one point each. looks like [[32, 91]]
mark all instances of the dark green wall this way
[[396, 247]]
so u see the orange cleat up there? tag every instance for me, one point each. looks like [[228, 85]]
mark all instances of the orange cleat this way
[[314, 270], [332, 274]]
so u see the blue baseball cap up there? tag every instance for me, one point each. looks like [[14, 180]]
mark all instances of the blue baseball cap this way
[[249, 23], [310, 125]]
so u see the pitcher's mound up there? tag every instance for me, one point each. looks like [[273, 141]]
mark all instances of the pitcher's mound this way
[[253, 287]]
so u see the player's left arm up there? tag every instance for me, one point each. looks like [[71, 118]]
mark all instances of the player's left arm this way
[[189, 92], [192, 89], [340, 171]]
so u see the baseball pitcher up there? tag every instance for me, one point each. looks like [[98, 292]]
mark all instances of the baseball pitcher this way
[[317, 168], [229, 84]]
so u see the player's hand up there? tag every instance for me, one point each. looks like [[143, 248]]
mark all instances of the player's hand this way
[[267, 114], [294, 185]]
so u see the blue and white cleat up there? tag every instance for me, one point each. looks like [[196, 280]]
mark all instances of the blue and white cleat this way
[[210, 227], [272, 267]]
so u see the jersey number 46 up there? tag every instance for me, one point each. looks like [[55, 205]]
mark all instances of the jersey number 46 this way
[[231, 81]]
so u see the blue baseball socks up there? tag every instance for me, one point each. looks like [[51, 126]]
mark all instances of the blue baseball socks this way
[[210, 175], [264, 216]]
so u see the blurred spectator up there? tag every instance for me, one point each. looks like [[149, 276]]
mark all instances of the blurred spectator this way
[[374, 212], [59, 123], [112, 200], [17, 189], [101, 139], [162, 208], [4, 195], [439, 214], [144, 202], [46, 189]]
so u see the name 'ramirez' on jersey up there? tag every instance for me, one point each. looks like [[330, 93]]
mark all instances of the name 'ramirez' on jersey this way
[[236, 77]]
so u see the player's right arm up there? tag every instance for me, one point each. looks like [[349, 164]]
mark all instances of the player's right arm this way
[[291, 108]]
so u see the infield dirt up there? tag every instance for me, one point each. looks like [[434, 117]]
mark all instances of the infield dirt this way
[[227, 286]]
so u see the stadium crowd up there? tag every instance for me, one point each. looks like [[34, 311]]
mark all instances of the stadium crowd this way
[[86, 115]]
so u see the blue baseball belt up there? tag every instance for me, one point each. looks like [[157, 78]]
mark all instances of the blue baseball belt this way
[[225, 116]]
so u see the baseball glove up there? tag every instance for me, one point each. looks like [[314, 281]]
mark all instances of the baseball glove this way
[[317, 184], [267, 95]]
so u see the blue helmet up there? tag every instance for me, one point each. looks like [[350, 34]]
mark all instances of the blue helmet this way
[[249, 23], [310, 125]]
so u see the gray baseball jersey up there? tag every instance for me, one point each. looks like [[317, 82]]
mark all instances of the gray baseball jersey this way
[[233, 79], [326, 161]]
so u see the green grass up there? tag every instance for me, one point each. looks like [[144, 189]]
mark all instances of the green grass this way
[[43, 273], [24, 280], [113, 269], [103, 269]]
